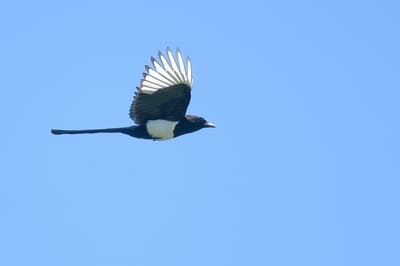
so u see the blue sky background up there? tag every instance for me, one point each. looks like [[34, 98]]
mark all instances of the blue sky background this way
[[303, 168]]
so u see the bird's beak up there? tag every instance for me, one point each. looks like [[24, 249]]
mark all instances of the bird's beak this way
[[208, 124]]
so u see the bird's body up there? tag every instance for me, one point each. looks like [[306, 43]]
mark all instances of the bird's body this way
[[159, 129], [160, 103]]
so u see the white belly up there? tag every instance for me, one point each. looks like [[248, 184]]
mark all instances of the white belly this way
[[161, 129]]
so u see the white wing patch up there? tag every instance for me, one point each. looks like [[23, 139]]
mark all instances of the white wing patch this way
[[161, 129], [166, 72]]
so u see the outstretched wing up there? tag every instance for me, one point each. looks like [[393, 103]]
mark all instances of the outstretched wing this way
[[164, 92]]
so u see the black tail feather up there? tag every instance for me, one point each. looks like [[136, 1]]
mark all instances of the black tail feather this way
[[133, 131], [124, 130]]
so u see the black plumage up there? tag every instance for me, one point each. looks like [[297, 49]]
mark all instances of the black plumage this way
[[160, 102]]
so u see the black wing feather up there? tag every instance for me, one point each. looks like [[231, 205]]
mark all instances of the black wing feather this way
[[169, 103]]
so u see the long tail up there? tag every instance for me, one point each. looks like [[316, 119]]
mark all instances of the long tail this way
[[124, 130]]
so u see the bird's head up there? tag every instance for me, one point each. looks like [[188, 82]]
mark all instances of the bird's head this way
[[191, 123], [198, 122]]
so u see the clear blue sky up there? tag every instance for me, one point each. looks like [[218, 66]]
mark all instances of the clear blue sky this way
[[303, 168]]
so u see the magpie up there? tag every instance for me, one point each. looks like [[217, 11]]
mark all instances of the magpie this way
[[160, 102]]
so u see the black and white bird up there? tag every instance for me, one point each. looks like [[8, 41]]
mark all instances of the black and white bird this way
[[160, 102]]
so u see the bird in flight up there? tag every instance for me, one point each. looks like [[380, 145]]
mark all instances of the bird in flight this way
[[160, 102]]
